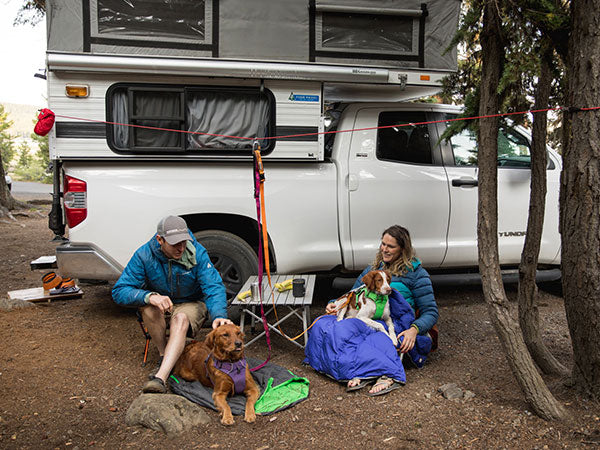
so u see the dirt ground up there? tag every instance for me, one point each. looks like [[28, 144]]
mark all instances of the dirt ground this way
[[70, 369]]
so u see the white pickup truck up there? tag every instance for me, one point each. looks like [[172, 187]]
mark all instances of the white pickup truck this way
[[157, 104], [321, 215]]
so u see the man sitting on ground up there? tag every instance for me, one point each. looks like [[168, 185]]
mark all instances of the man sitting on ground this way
[[172, 275]]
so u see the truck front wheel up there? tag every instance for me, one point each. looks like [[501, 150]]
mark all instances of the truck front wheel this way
[[232, 257]]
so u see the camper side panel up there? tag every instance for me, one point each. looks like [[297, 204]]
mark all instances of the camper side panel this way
[[273, 30], [80, 131]]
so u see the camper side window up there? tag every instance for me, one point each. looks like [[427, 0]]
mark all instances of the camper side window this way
[[371, 31], [401, 141], [190, 119], [184, 21]]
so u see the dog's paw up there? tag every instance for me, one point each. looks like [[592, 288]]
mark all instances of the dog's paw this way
[[250, 417], [394, 340], [227, 421]]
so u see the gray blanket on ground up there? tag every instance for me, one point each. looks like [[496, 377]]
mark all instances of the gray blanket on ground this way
[[202, 395]]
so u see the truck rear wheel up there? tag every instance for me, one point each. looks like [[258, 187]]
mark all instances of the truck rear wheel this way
[[232, 257]]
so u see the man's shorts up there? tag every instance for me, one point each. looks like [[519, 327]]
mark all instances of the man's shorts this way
[[196, 313]]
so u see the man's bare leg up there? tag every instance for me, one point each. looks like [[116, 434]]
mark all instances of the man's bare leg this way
[[178, 331], [154, 320]]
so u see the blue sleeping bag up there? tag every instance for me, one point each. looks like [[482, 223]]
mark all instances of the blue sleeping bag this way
[[351, 349]]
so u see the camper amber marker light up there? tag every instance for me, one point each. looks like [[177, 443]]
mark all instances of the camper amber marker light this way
[[425, 77], [77, 90]]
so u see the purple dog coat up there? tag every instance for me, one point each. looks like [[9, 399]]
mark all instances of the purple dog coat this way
[[235, 370]]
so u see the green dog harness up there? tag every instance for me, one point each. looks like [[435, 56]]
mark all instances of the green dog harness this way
[[379, 299]]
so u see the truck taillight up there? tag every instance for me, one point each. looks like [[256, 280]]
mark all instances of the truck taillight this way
[[75, 201]]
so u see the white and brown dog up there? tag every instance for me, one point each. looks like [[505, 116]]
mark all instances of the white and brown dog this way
[[369, 303]]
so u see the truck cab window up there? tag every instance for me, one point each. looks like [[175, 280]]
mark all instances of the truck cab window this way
[[401, 141], [205, 119], [513, 149]]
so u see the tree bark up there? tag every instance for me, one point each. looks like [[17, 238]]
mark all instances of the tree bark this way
[[7, 201], [580, 198], [527, 298], [536, 392]]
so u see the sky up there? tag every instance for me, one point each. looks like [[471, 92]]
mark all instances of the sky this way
[[23, 53]]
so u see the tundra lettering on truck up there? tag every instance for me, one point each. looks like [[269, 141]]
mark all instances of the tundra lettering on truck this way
[[511, 233]]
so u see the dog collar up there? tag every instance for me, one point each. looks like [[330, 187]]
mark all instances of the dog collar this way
[[379, 299], [235, 370]]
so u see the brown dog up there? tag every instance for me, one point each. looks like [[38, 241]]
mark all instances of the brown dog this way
[[218, 362]]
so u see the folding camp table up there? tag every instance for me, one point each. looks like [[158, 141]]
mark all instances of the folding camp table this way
[[285, 303]]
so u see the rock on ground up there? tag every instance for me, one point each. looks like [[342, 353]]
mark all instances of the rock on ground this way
[[451, 391], [7, 304], [171, 414]]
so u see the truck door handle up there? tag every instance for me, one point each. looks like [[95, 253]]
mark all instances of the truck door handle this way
[[352, 182], [464, 182]]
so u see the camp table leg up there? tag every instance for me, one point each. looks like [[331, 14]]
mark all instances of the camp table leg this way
[[305, 318]]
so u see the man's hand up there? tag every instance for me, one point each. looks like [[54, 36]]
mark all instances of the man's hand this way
[[330, 308], [162, 302], [220, 321], [410, 336]]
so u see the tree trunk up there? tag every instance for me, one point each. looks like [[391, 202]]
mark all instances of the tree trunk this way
[[536, 392], [580, 198], [528, 308], [7, 202]]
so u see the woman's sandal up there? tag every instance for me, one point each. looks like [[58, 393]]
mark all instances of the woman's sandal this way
[[384, 380], [361, 384]]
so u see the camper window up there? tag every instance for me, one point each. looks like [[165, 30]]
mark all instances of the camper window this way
[[346, 31], [181, 21], [405, 142], [206, 119]]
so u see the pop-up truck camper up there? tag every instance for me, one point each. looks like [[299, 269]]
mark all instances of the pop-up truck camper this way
[[159, 104]]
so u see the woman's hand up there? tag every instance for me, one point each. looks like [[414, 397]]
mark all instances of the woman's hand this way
[[410, 336], [330, 308]]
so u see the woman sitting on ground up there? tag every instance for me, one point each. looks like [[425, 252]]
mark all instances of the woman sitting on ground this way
[[397, 255]]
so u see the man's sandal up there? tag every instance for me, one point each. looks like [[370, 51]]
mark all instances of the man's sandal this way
[[361, 384], [384, 380]]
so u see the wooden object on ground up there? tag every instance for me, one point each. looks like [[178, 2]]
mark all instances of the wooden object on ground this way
[[44, 262], [40, 295]]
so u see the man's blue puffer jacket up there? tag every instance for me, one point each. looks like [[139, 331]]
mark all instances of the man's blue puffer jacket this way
[[149, 270]]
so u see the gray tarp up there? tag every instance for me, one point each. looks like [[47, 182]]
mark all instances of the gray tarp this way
[[264, 30], [202, 395]]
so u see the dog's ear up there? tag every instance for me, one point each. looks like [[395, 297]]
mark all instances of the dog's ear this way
[[388, 274], [210, 339], [368, 279]]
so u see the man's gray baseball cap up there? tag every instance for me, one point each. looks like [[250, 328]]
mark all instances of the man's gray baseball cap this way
[[173, 229]]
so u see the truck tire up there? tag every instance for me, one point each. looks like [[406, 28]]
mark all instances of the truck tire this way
[[233, 258]]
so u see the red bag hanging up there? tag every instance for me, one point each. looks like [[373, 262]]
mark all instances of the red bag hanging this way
[[45, 122]]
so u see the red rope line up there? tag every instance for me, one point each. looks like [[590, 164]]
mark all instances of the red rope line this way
[[489, 116]]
